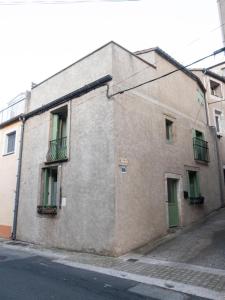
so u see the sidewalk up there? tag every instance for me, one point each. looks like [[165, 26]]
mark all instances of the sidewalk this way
[[161, 267]]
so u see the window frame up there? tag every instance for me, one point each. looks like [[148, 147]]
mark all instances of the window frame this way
[[218, 114], [44, 208], [217, 85], [169, 126], [197, 184], [65, 140], [6, 142]]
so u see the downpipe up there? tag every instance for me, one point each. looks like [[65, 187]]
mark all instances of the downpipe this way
[[17, 193]]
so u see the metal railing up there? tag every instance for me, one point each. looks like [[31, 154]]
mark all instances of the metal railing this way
[[201, 150], [57, 149], [12, 111]]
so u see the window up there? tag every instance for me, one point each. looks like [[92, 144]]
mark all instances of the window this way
[[215, 88], [58, 137], [49, 191], [194, 188], [169, 130], [218, 121], [200, 147], [10, 143]]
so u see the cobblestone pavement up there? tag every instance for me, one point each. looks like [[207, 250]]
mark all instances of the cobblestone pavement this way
[[203, 244]]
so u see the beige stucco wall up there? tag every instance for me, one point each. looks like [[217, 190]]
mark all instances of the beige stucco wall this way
[[139, 118], [8, 171]]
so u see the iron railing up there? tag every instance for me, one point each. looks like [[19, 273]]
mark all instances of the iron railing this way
[[201, 150], [57, 149]]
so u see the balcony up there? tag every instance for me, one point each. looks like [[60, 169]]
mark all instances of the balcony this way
[[201, 151], [57, 150]]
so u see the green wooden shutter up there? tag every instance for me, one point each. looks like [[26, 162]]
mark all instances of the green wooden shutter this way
[[194, 184], [46, 187], [55, 126]]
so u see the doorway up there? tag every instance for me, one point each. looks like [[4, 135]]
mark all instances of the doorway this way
[[173, 212]]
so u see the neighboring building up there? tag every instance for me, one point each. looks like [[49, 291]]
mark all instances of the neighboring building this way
[[214, 82], [107, 174], [221, 6], [10, 130]]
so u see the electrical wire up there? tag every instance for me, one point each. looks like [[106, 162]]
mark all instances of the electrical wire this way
[[169, 73], [24, 2]]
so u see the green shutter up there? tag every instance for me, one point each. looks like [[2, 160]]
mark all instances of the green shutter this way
[[46, 187], [194, 188], [55, 126]]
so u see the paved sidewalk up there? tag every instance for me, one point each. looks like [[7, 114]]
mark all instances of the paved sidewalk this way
[[176, 264]]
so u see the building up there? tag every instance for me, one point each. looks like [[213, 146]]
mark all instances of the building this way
[[213, 79], [107, 167], [10, 131]]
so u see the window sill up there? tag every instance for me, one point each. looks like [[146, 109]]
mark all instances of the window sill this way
[[47, 210], [202, 162], [10, 153], [169, 142], [56, 161], [196, 200]]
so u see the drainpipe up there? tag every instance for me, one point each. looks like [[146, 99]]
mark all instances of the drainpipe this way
[[221, 181], [206, 100], [18, 180]]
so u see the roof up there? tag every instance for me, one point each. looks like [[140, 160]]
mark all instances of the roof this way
[[210, 73], [174, 62], [86, 56]]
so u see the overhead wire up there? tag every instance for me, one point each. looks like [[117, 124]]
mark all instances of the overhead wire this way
[[167, 74]]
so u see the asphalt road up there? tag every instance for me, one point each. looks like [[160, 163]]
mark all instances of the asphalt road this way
[[26, 276]]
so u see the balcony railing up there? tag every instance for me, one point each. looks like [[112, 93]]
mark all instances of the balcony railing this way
[[57, 149], [201, 151]]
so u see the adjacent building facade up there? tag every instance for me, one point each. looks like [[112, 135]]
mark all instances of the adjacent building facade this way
[[107, 167], [214, 82], [10, 130], [221, 7]]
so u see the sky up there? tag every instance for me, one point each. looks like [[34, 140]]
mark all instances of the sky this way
[[39, 38]]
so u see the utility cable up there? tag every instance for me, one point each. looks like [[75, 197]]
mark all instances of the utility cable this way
[[169, 73], [24, 2]]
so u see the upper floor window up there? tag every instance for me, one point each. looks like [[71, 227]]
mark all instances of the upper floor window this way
[[49, 195], [10, 143], [58, 135], [215, 88], [218, 124], [169, 130], [200, 146]]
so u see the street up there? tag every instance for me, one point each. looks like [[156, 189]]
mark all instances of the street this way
[[25, 275]]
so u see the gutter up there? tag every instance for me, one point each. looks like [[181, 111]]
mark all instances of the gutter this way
[[221, 184], [75, 94]]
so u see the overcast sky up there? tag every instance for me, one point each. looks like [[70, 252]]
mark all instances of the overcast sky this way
[[38, 40]]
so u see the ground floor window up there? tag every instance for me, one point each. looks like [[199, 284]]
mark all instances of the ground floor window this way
[[195, 196], [194, 190], [49, 181]]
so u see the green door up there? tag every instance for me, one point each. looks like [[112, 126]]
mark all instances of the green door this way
[[172, 202]]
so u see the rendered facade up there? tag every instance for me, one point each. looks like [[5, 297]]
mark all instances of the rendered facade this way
[[10, 130], [106, 170]]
